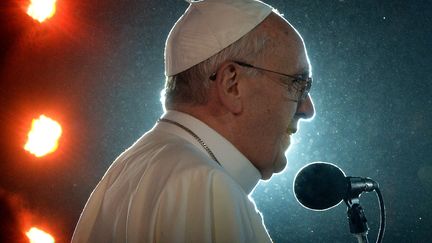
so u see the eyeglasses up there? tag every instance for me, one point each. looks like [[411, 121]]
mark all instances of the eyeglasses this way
[[301, 84]]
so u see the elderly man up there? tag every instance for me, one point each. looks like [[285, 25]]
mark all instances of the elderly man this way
[[238, 78]]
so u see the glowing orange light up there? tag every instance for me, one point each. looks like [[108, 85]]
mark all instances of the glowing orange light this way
[[38, 236], [43, 136], [41, 9]]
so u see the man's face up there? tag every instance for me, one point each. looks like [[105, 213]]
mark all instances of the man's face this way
[[273, 115]]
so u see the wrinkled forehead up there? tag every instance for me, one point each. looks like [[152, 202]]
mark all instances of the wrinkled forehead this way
[[289, 53]]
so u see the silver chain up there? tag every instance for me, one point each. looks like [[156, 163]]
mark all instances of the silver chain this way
[[203, 144]]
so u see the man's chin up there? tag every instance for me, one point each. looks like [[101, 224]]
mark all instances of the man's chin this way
[[266, 177], [278, 167], [281, 161], [280, 164]]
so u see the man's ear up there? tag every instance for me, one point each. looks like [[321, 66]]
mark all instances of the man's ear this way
[[227, 83]]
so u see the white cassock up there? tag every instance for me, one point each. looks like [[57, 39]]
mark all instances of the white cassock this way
[[166, 188]]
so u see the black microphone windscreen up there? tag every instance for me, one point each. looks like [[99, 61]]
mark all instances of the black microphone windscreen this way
[[320, 185]]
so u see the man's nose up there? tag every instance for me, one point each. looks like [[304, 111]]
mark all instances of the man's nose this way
[[305, 108]]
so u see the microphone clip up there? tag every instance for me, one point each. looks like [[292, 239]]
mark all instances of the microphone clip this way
[[358, 185], [356, 216]]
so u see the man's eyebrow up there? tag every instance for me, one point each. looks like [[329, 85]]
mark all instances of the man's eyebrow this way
[[304, 74], [305, 71], [301, 74]]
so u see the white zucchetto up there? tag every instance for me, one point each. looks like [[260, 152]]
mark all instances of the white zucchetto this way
[[207, 27]]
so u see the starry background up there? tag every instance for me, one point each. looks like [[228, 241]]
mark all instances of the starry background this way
[[97, 68]]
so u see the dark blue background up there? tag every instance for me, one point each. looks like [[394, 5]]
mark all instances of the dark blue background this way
[[97, 67]]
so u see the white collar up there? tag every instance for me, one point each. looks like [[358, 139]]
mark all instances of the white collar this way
[[234, 162]]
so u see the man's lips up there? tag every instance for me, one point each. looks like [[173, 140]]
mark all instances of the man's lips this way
[[291, 131]]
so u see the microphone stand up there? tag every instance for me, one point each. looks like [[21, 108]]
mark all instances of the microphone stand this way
[[357, 219]]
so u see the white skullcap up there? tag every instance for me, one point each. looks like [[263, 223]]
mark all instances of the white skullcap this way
[[207, 27]]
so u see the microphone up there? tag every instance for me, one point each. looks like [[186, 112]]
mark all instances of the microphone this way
[[322, 185]]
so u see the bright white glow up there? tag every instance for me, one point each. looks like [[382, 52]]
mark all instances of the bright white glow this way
[[43, 136], [41, 9], [38, 236]]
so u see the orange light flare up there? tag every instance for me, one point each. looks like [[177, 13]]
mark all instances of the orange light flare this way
[[43, 136], [41, 10], [36, 235]]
